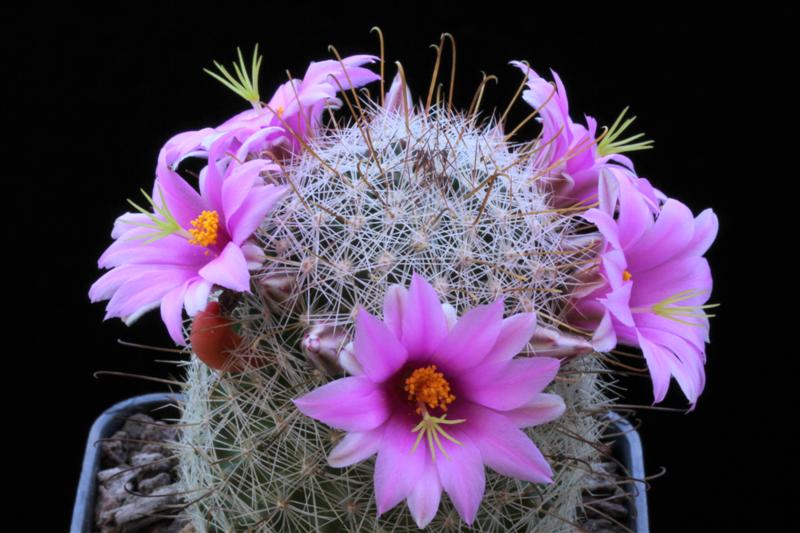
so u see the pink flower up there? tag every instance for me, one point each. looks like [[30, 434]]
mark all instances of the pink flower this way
[[572, 157], [656, 285], [295, 109], [437, 402], [191, 242], [394, 97]]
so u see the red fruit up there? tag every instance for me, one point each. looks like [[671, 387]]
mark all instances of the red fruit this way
[[214, 339]]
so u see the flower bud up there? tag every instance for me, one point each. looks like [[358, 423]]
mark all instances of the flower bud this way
[[322, 344], [553, 343], [348, 361], [277, 286]]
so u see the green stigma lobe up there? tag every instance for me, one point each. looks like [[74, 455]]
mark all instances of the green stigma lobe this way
[[610, 145], [243, 83]]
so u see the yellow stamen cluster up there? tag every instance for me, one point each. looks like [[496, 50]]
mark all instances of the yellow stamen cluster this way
[[626, 276], [204, 229], [427, 387]]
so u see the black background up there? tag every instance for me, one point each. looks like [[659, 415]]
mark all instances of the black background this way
[[96, 94]]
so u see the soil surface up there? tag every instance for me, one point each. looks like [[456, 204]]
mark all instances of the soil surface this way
[[136, 485], [605, 500]]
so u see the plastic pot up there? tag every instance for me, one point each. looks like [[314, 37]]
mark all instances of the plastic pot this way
[[627, 448], [105, 426]]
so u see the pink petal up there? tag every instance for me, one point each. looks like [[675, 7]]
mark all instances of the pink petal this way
[[239, 182], [462, 475], [196, 297], [144, 290], [396, 94], [539, 90], [229, 270], [505, 448], [133, 247], [706, 226], [356, 77], [397, 470], [182, 145], [515, 334], [668, 237], [614, 266], [608, 189], [424, 324], [635, 217], [561, 101], [656, 358], [696, 334], [605, 338], [251, 213], [606, 224], [260, 140], [285, 97], [611, 175], [671, 278], [355, 447], [684, 361], [105, 287], [250, 119], [618, 304], [127, 222], [313, 95], [376, 348], [541, 409], [423, 501], [472, 337], [351, 404], [508, 385], [183, 200], [172, 313], [212, 176], [394, 303], [319, 72]]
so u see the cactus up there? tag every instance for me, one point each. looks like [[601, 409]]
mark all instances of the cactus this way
[[391, 192], [300, 222]]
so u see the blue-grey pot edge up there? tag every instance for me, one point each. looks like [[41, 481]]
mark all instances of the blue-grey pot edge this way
[[628, 442], [104, 426], [629, 446]]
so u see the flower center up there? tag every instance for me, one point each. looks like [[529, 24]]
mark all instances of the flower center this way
[[626, 276], [204, 229], [428, 388]]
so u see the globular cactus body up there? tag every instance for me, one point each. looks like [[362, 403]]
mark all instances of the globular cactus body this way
[[396, 191]]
